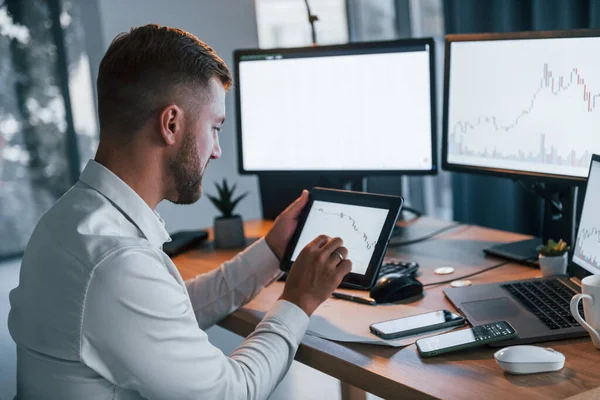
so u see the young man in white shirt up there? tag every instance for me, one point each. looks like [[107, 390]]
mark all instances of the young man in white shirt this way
[[100, 311]]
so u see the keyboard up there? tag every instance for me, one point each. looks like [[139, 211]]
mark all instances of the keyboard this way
[[395, 266], [183, 241], [549, 300]]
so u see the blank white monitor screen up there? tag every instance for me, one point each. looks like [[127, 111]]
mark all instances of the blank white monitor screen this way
[[364, 109], [527, 105]]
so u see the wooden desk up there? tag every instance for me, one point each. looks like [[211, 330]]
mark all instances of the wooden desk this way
[[401, 373]]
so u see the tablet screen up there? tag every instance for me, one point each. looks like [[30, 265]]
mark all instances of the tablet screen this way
[[358, 226]]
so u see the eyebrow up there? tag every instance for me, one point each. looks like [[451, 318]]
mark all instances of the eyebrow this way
[[222, 121]]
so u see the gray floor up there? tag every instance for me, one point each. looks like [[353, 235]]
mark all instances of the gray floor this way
[[301, 382]]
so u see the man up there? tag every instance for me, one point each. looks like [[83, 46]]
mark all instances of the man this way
[[101, 312]]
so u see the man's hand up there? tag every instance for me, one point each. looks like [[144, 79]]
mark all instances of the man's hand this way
[[285, 224], [316, 273]]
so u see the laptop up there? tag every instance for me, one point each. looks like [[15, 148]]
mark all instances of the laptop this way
[[539, 308]]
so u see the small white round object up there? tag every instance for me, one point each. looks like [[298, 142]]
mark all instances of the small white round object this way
[[462, 283], [521, 360], [443, 271]]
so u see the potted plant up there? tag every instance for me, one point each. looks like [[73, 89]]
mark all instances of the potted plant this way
[[553, 257], [228, 228]]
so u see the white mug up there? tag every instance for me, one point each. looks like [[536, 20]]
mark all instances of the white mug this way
[[590, 287]]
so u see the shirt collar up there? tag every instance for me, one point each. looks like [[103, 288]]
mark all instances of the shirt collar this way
[[101, 179]]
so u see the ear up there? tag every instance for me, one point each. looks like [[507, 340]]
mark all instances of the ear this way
[[171, 123]]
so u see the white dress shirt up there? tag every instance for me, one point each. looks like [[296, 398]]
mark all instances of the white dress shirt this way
[[101, 312]]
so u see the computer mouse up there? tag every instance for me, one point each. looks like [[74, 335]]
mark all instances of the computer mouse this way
[[520, 360], [395, 287]]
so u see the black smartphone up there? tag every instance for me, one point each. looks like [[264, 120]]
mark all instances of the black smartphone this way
[[414, 324], [466, 338]]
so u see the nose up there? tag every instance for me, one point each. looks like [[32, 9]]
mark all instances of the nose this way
[[216, 153]]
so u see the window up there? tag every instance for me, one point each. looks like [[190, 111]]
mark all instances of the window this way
[[427, 18], [39, 156], [372, 20], [284, 23], [80, 82]]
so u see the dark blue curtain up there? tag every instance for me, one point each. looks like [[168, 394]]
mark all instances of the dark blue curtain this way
[[496, 202]]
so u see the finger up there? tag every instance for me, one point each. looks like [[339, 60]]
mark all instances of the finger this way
[[343, 251], [294, 209], [332, 245], [339, 255], [319, 241], [343, 269]]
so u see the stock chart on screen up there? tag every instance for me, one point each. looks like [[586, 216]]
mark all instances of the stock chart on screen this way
[[358, 226], [587, 247], [525, 105]]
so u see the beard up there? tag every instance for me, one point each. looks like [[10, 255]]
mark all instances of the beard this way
[[187, 173]]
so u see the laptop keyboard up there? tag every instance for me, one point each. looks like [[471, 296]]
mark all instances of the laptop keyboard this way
[[549, 300]]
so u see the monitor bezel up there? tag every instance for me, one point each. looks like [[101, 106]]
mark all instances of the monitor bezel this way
[[238, 54], [575, 269], [503, 172]]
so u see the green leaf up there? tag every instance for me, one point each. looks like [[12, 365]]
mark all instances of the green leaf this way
[[224, 201], [227, 192], [213, 199], [221, 190], [554, 249], [218, 204], [225, 186], [235, 202]]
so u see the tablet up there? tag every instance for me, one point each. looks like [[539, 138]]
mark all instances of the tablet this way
[[364, 222]]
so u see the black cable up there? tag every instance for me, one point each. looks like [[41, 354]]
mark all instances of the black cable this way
[[426, 237], [312, 18], [469, 275], [398, 230]]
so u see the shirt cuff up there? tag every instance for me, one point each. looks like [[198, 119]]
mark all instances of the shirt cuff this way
[[292, 316], [260, 255]]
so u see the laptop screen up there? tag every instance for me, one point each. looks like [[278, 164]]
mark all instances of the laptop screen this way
[[587, 247]]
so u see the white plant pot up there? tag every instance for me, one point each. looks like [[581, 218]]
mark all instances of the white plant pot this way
[[229, 233], [552, 266]]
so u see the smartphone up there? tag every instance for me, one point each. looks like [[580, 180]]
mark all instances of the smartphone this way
[[466, 338], [414, 324]]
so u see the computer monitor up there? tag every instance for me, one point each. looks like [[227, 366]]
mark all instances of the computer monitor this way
[[525, 106], [586, 253], [347, 110], [332, 115]]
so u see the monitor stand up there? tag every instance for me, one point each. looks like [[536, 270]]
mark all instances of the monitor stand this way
[[560, 211], [279, 190]]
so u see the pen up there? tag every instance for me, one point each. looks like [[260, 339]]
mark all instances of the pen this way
[[357, 299]]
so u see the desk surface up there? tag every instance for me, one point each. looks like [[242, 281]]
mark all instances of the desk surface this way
[[392, 372]]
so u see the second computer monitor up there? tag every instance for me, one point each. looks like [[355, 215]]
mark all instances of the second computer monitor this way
[[365, 108], [525, 104]]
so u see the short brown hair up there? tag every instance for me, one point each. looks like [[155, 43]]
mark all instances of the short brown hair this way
[[142, 69]]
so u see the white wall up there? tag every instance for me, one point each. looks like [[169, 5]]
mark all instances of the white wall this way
[[225, 25]]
